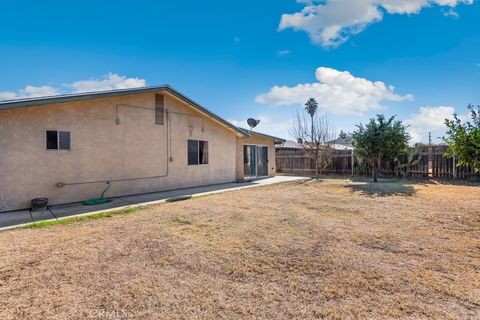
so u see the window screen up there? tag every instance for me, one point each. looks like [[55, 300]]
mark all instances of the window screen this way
[[64, 140], [159, 109], [52, 140]]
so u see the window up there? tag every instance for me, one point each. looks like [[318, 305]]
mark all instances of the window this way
[[159, 109], [58, 140], [197, 152]]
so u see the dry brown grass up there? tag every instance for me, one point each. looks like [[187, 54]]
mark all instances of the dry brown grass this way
[[332, 249]]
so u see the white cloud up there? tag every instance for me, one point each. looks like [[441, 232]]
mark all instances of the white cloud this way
[[8, 95], [29, 92], [331, 22], [283, 53], [110, 82], [428, 119], [451, 13], [32, 91], [336, 91]]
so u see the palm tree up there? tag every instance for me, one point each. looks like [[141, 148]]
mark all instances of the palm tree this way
[[311, 106]]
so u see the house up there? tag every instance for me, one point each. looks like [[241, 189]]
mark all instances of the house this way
[[70, 147], [341, 144]]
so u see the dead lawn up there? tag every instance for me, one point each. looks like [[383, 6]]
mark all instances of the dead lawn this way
[[332, 249]]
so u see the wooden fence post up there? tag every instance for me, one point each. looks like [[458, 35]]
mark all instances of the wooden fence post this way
[[430, 162], [454, 169], [353, 161]]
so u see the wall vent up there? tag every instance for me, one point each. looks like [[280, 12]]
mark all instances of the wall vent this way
[[159, 109]]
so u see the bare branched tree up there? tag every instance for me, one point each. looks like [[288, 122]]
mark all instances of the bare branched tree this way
[[314, 134]]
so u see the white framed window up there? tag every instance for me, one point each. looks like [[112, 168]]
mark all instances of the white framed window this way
[[57, 140], [197, 152]]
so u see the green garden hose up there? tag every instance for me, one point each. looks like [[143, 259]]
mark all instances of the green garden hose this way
[[96, 201]]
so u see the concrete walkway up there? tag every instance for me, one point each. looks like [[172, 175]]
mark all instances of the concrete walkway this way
[[15, 219]]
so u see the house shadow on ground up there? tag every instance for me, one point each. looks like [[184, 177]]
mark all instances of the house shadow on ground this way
[[382, 188]]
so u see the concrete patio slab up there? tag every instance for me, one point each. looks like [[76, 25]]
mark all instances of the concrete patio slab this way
[[66, 210], [14, 219], [42, 215], [165, 195]]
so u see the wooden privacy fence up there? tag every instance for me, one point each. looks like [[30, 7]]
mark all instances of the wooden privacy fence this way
[[432, 164], [295, 161]]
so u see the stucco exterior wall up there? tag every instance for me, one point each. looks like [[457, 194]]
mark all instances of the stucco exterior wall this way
[[103, 150], [257, 140]]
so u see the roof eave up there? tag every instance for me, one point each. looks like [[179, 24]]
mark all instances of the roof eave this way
[[250, 133]]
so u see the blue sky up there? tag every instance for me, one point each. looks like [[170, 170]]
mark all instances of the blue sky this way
[[229, 55]]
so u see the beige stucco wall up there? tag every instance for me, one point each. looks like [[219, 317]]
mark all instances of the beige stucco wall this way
[[257, 140], [103, 150]]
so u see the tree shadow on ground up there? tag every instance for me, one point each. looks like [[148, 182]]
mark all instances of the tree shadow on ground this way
[[306, 181], [382, 188]]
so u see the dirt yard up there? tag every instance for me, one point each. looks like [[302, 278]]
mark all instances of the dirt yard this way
[[333, 249]]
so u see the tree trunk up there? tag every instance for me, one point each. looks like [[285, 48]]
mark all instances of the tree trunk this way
[[375, 173], [375, 165], [316, 151]]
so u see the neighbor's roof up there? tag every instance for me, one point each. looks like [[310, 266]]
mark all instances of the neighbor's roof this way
[[250, 132], [348, 142], [33, 102], [288, 144]]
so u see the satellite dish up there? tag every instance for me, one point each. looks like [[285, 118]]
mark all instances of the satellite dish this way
[[252, 123]]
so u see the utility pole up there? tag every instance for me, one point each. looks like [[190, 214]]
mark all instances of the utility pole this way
[[430, 138]]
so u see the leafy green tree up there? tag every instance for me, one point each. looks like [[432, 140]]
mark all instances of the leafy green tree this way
[[380, 140], [463, 139]]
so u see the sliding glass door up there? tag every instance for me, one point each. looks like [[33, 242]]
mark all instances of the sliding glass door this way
[[255, 160]]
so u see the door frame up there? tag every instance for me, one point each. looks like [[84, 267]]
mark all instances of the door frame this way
[[256, 145]]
